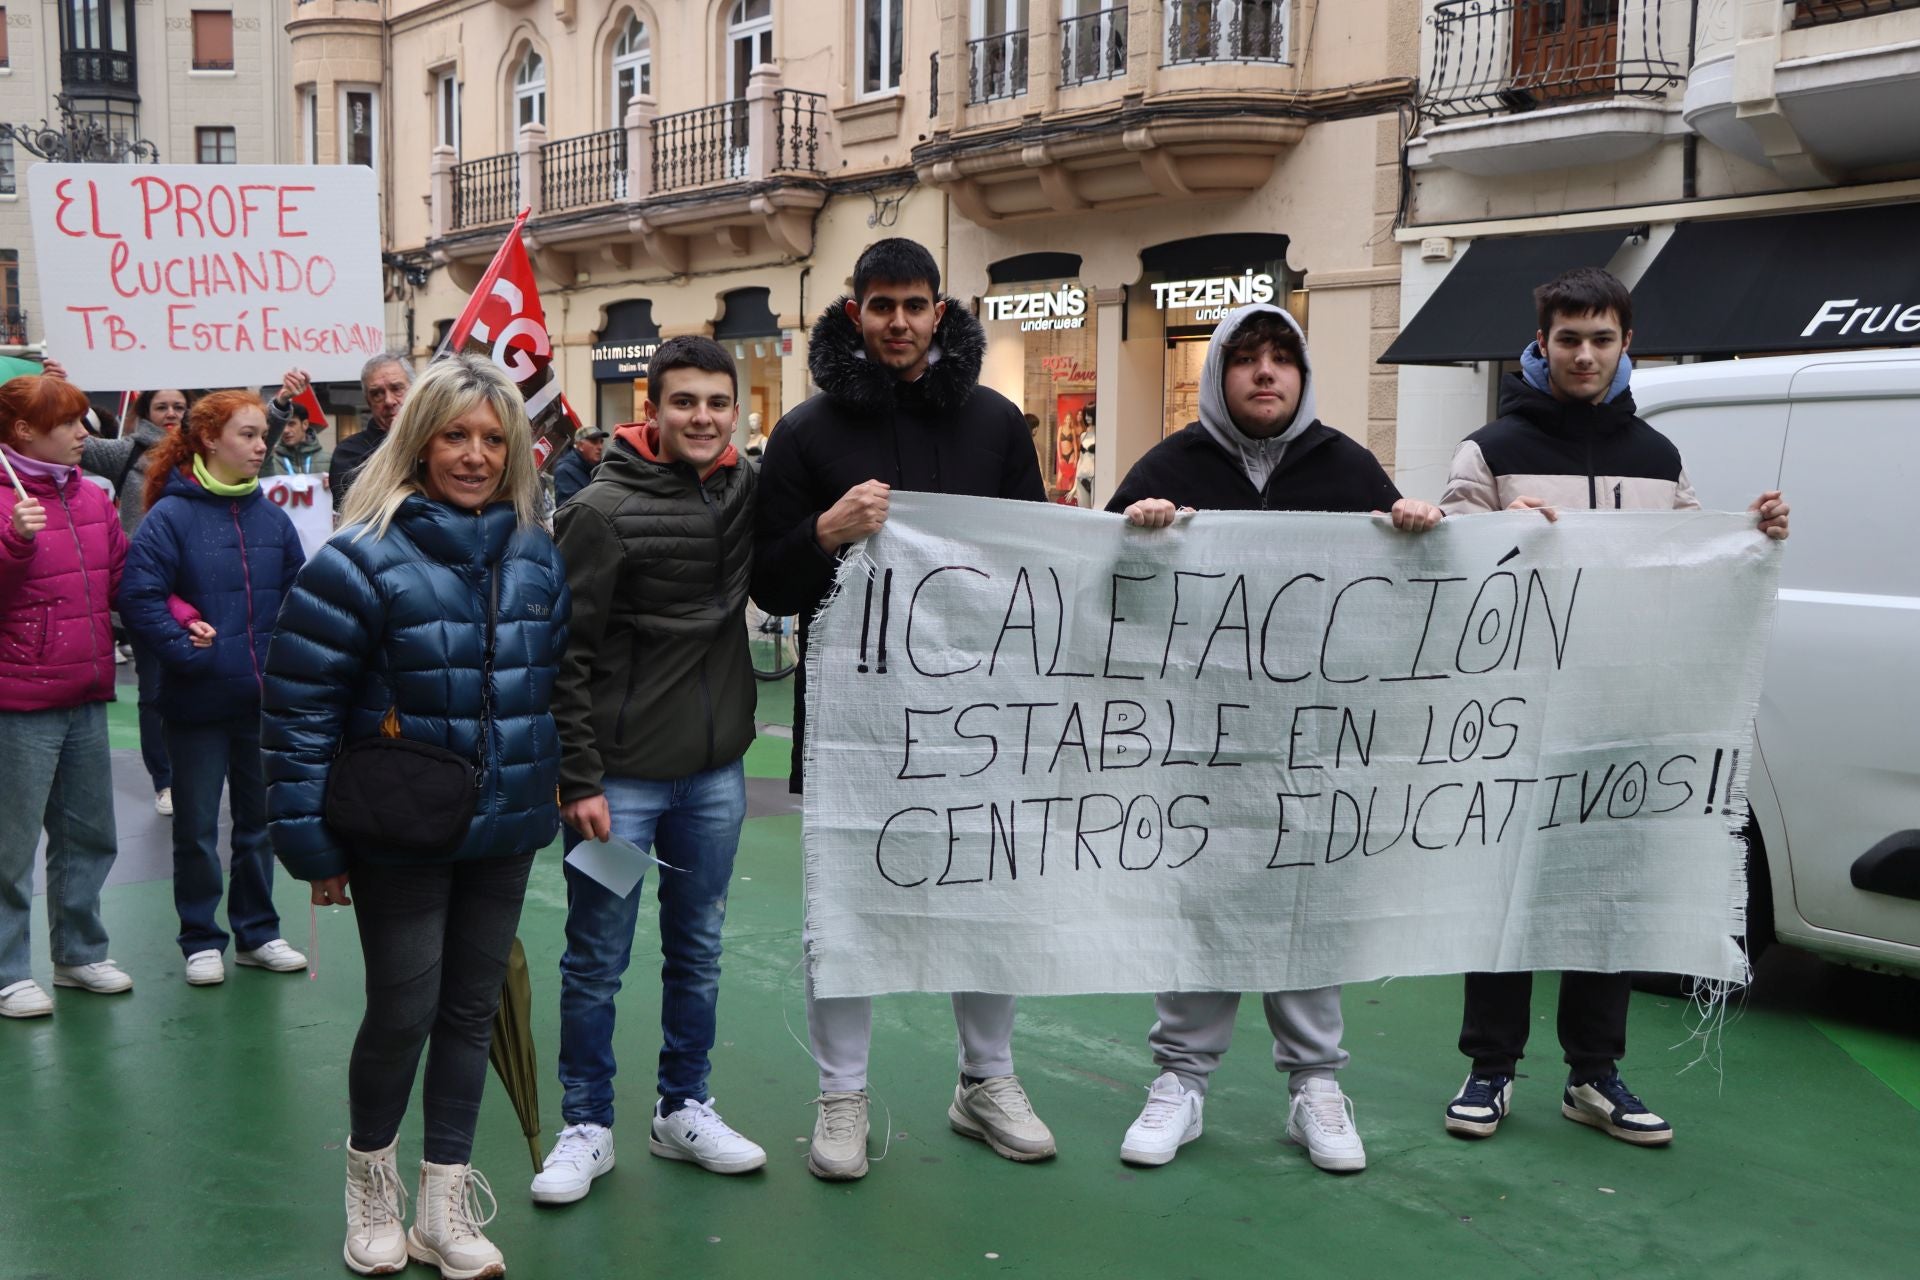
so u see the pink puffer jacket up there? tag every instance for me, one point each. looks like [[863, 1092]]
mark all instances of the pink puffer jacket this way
[[56, 639]]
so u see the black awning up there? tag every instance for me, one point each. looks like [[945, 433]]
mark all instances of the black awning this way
[[1483, 310], [1795, 282]]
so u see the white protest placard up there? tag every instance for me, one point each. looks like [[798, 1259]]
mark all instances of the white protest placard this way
[[308, 501], [207, 275], [1048, 753]]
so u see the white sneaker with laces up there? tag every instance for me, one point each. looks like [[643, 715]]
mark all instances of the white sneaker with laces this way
[[1170, 1120], [206, 969], [102, 976], [163, 802], [839, 1150], [376, 1213], [997, 1112], [697, 1133], [275, 955], [448, 1225], [25, 999], [1321, 1120], [582, 1153]]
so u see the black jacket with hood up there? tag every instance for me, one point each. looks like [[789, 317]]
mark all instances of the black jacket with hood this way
[[1212, 465], [656, 682], [942, 433]]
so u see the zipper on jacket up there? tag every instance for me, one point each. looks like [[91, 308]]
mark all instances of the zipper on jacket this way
[[626, 699], [706, 696], [488, 766], [246, 577], [719, 602], [86, 580], [1593, 481], [1616, 494]]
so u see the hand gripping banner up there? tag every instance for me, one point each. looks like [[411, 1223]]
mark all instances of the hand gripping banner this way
[[1048, 753]]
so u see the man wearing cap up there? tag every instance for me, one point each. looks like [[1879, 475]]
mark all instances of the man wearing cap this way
[[571, 476]]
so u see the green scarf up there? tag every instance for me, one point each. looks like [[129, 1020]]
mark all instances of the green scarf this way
[[207, 482]]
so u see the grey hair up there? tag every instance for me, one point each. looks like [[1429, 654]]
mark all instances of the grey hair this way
[[380, 362], [451, 387]]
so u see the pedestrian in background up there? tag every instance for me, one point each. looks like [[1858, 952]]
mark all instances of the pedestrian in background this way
[[299, 452], [437, 615], [385, 379], [575, 469], [205, 579], [61, 553]]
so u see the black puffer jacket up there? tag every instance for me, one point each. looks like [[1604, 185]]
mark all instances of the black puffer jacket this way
[[1322, 470], [657, 682], [943, 433], [349, 456]]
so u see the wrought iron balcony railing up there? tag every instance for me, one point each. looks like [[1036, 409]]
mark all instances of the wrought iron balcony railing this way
[[91, 72], [1093, 46], [486, 191], [13, 327], [699, 147], [1518, 55], [997, 67], [796, 130], [588, 170], [1814, 13], [1226, 31]]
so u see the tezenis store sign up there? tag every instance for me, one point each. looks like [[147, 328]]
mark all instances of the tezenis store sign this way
[[1212, 297], [1064, 308]]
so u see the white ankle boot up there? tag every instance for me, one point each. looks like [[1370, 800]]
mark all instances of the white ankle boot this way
[[447, 1221], [376, 1213]]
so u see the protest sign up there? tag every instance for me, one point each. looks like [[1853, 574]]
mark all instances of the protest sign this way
[[1048, 753], [308, 502], [202, 275]]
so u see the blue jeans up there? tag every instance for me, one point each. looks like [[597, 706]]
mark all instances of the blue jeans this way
[[692, 824], [153, 733], [206, 757], [55, 773]]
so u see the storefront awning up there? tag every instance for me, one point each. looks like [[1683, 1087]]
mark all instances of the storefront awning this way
[[1796, 282], [1483, 310]]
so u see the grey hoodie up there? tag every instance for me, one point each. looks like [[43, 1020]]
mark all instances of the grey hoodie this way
[[1258, 457]]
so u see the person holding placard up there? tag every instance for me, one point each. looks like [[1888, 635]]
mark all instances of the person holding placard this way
[[412, 757], [900, 406], [205, 579], [655, 706], [61, 554], [1258, 446], [1567, 436]]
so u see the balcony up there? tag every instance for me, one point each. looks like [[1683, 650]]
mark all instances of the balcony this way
[[1093, 47], [99, 73], [1226, 31], [1820, 91], [997, 67], [1518, 86], [13, 327], [649, 191]]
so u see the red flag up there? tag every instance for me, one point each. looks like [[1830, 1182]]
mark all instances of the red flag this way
[[504, 321], [316, 416]]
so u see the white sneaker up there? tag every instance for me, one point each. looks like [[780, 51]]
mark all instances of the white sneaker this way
[[696, 1132], [206, 969], [163, 802], [103, 976], [1170, 1120], [583, 1153], [997, 1112], [1321, 1120], [275, 955], [25, 999], [839, 1150]]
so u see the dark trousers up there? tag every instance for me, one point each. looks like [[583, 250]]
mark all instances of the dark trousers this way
[[153, 737], [208, 758], [436, 940], [1592, 1021]]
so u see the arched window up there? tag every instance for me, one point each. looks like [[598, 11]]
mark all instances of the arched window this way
[[530, 90], [632, 66], [749, 42]]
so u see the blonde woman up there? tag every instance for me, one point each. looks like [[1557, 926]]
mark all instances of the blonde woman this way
[[436, 615]]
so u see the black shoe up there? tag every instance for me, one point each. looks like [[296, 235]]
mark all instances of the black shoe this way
[[1481, 1106]]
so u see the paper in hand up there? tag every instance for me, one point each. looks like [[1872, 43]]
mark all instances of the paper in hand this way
[[615, 864]]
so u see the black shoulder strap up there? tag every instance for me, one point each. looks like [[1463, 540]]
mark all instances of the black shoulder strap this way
[[133, 455]]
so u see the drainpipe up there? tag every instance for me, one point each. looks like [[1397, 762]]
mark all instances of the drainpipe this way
[[1690, 144]]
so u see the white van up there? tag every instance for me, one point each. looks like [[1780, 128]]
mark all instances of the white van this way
[[1835, 786]]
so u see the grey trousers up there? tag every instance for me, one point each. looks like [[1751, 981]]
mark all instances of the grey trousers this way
[[1194, 1029], [842, 1034]]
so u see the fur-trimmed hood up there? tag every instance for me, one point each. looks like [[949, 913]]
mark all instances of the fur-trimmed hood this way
[[837, 359]]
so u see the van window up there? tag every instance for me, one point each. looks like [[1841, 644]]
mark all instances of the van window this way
[[1851, 472]]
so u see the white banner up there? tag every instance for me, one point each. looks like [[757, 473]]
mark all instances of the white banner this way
[[207, 275], [309, 501], [1049, 754]]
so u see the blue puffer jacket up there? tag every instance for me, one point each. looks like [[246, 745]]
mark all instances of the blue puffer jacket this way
[[233, 560], [399, 624]]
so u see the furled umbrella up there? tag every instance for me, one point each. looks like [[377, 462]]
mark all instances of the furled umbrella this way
[[512, 1053]]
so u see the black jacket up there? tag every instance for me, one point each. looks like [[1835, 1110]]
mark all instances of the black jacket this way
[[351, 455], [1323, 470], [657, 682], [943, 433], [570, 475]]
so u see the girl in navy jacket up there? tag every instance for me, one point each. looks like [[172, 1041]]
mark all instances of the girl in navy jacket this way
[[205, 578]]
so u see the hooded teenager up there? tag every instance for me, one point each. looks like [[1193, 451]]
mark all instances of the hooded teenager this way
[[899, 406], [1257, 447]]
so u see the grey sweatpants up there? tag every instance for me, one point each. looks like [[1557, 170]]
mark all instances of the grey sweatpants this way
[[842, 1034], [1194, 1029]]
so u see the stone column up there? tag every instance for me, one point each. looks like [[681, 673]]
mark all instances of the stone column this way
[[763, 88], [641, 113], [526, 147], [440, 191]]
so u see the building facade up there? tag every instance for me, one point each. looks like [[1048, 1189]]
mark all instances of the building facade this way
[[1749, 168], [204, 82]]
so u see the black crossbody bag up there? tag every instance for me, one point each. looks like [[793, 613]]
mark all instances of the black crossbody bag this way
[[412, 799]]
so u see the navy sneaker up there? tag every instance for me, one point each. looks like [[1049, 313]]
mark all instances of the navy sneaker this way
[[1609, 1106], [1481, 1106]]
